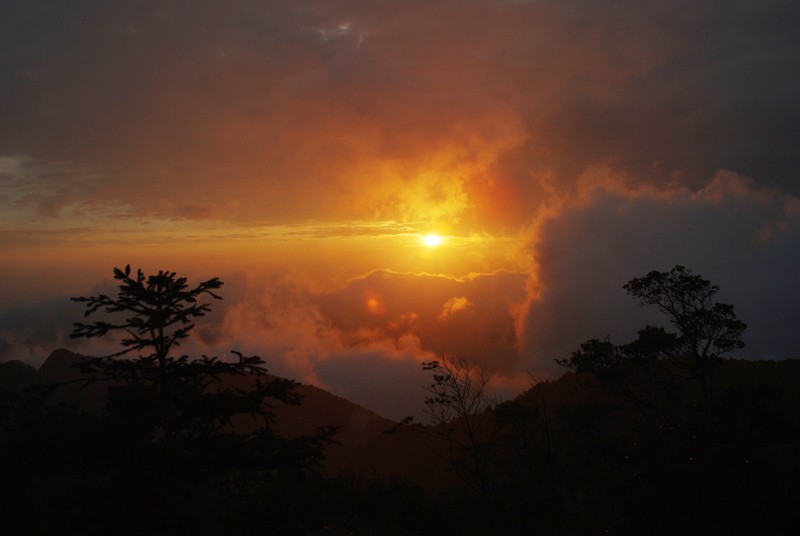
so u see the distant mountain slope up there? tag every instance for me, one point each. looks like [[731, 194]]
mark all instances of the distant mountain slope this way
[[15, 376], [362, 447], [365, 444]]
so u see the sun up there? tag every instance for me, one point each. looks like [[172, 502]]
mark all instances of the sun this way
[[432, 240]]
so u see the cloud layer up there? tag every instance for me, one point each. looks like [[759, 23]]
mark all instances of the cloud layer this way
[[298, 150], [236, 110], [742, 237]]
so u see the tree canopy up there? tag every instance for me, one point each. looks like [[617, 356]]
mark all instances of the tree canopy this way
[[159, 310], [706, 331], [183, 404]]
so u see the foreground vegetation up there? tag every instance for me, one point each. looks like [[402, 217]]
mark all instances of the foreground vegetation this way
[[662, 435]]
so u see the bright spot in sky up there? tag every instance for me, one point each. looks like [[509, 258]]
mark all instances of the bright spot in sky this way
[[431, 240]]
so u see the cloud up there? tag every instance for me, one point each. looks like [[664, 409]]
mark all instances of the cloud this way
[[381, 376], [367, 340], [30, 331], [741, 236], [584, 140], [392, 110], [479, 324], [453, 305]]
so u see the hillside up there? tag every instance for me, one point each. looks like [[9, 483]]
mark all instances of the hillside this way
[[583, 454], [362, 446]]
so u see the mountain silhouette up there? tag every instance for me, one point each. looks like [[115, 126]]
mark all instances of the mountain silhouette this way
[[362, 446], [577, 455], [15, 376]]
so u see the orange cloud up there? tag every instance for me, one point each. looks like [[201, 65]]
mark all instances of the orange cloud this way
[[453, 305], [561, 148], [470, 316]]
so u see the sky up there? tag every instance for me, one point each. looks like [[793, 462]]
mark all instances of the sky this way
[[302, 150]]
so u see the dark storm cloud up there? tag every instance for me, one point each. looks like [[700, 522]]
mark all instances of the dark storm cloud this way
[[215, 101], [744, 238]]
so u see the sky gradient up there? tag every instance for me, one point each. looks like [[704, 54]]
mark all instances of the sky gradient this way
[[302, 150]]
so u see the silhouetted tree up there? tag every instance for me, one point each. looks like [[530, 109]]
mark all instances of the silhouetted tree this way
[[460, 413], [681, 467], [203, 422], [707, 330], [161, 308]]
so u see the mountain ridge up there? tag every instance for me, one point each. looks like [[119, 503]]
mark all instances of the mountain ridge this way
[[364, 444]]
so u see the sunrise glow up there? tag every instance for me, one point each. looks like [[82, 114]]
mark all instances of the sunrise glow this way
[[379, 186], [432, 240]]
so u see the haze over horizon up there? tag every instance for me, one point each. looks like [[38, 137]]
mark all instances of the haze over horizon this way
[[302, 151]]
